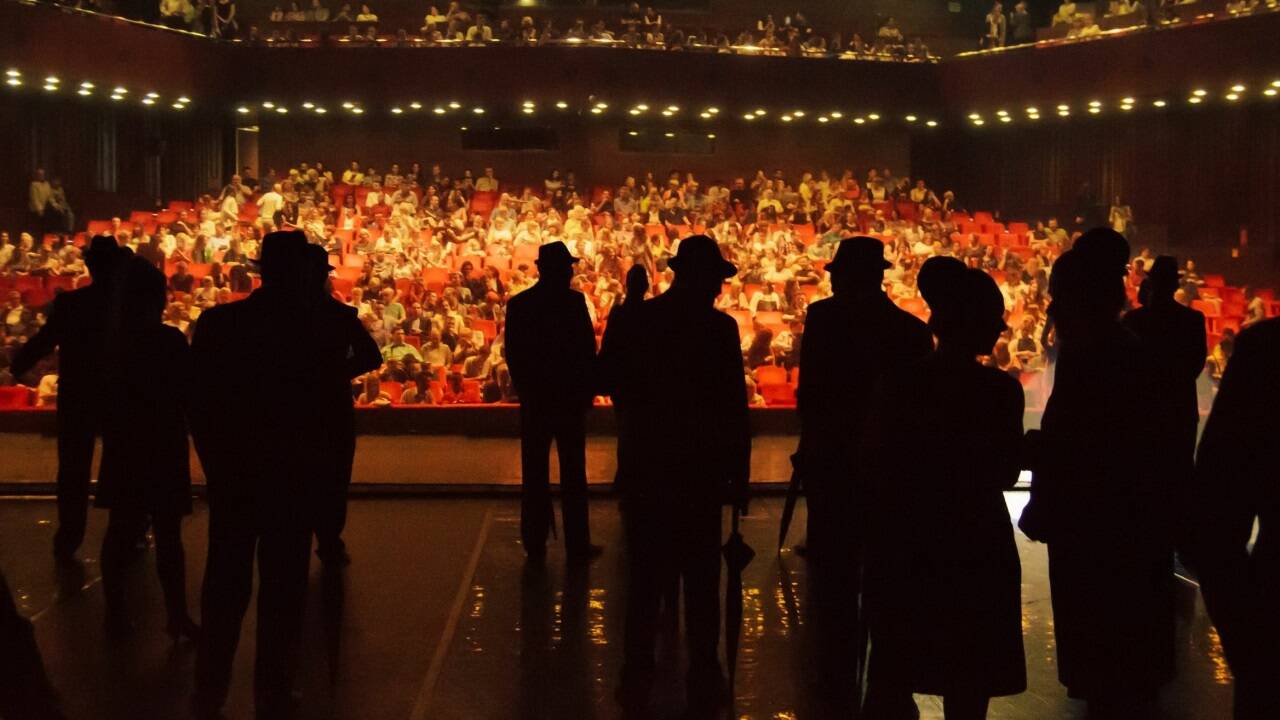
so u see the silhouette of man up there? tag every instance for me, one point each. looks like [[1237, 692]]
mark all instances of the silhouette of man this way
[[1174, 336], [360, 355], [851, 340], [267, 466], [1236, 488], [681, 372], [610, 362], [78, 327], [25, 691], [551, 347], [1101, 497]]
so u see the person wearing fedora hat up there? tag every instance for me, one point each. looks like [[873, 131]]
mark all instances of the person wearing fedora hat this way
[[551, 349], [269, 472], [79, 326], [679, 367], [851, 339]]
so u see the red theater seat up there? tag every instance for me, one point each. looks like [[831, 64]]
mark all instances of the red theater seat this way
[[141, 217], [483, 202], [771, 374], [775, 395], [1214, 281], [394, 390], [180, 206], [14, 397], [60, 282], [98, 227]]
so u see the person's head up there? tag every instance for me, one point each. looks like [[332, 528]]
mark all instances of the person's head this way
[[100, 258], [637, 283], [144, 293], [397, 336], [967, 309], [282, 258], [700, 269], [39, 175], [858, 265], [1086, 294], [1162, 278], [555, 264]]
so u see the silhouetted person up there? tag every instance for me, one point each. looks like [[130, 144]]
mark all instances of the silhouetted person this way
[[1236, 488], [78, 328], [681, 371], [146, 470], [943, 580], [360, 355], [850, 340], [1174, 335], [267, 465], [1099, 497], [609, 365], [25, 691], [551, 347]]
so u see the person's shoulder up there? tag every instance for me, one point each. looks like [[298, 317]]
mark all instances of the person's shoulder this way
[[1262, 337]]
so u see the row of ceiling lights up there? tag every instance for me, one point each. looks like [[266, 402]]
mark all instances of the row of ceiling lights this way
[[1233, 94], [53, 84]]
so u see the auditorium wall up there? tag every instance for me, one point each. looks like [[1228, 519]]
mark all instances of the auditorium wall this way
[[589, 149]]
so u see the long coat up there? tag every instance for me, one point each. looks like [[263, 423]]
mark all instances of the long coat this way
[[943, 580], [145, 453], [1105, 506]]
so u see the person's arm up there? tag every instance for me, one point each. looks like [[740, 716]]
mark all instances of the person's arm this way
[[41, 344]]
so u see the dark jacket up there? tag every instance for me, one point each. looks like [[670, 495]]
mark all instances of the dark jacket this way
[[550, 347], [78, 326]]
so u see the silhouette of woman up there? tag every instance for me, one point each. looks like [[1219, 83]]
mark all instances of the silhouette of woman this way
[[145, 461], [944, 597]]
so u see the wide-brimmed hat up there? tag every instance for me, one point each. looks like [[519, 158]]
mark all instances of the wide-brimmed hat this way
[[553, 254], [102, 249], [318, 258], [699, 253], [281, 249], [858, 252]]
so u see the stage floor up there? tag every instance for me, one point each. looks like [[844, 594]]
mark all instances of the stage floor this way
[[438, 619]]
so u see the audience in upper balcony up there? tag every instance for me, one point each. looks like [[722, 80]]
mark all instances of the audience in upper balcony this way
[[366, 15]]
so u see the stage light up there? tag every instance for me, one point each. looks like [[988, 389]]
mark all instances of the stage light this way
[[1237, 88], [873, 117], [823, 119], [454, 105], [837, 115], [1159, 103], [477, 110], [1233, 97], [396, 111], [910, 118], [438, 111], [859, 121], [415, 105], [932, 123], [242, 109], [1199, 92], [562, 105]]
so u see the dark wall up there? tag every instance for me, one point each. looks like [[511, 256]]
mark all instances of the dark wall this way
[[590, 150]]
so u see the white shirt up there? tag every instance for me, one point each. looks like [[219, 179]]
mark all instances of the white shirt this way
[[270, 204]]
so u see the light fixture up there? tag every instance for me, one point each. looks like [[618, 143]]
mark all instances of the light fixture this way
[[178, 106], [117, 97], [454, 105], [749, 116], [873, 116], [87, 85], [184, 99], [670, 135], [153, 95], [715, 110], [562, 105], [1127, 101], [282, 110], [1062, 108], [242, 110], [50, 88], [1095, 103], [642, 107], [979, 121], [1064, 113], [1269, 92], [711, 136], [673, 108], [527, 103], [602, 106], [1159, 103], [1032, 110], [148, 101], [415, 105], [1199, 92], [84, 91], [527, 110], [824, 119], [1237, 88], [1002, 113], [15, 82], [667, 113], [597, 110], [705, 115], [396, 111], [760, 112], [786, 118], [837, 115], [932, 123], [633, 111], [52, 80], [910, 118], [632, 133], [269, 105], [358, 110], [975, 116], [1194, 100], [438, 111], [859, 121], [120, 90], [477, 110], [1233, 96], [346, 105], [13, 72], [1095, 110], [1006, 119], [321, 111], [1126, 107]]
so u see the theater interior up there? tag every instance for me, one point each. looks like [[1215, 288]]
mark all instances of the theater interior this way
[[1160, 120]]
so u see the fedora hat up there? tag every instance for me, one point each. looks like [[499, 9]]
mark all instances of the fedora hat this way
[[281, 249], [555, 253], [102, 249], [858, 252], [699, 253], [318, 258]]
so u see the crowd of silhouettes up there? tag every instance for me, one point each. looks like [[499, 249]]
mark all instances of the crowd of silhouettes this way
[[1118, 489]]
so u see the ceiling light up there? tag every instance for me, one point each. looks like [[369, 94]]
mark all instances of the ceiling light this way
[[308, 105], [52, 80], [11, 72], [823, 119], [1064, 107], [1194, 100], [1269, 92], [396, 111], [837, 115], [1032, 109], [178, 106], [527, 110], [715, 110], [1127, 101], [1126, 107], [1002, 113], [51, 88], [873, 117], [602, 105], [932, 123], [415, 105], [1199, 93], [642, 107], [13, 81], [1064, 113], [760, 112], [749, 116], [632, 133], [666, 113], [596, 110], [670, 135], [1233, 97], [705, 116], [120, 90], [282, 110], [242, 110], [269, 105], [117, 97], [145, 101], [1159, 103], [454, 105], [84, 91], [711, 136], [358, 110], [798, 113], [786, 118], [346, 105], [975, 116], [153, 95], [87, 85], [438, 111], [527, 103], [673, 108], [321, 111], [562, 105], [478, 110], [1095, 110], [1006, 119], [910, 118], [633, 111], [859, 121], [1095, 103], [979, 121], [1237, 88], [184, 99]]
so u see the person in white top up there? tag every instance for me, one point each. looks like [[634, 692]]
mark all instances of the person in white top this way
[[271, 203], [487, 182]]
